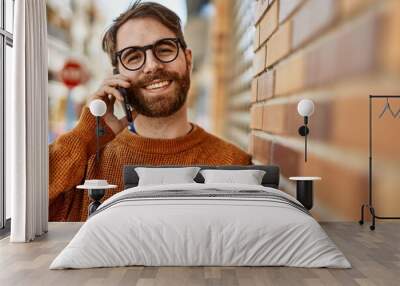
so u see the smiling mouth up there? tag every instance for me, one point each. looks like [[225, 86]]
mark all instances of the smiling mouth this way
[[158, 85]]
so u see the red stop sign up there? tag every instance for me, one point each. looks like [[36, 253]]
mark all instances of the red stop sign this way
[[73, 74]]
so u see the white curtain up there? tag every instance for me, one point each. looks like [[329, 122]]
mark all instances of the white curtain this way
[[26, 123]]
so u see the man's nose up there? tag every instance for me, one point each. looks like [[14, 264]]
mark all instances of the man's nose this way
[[152, 63]]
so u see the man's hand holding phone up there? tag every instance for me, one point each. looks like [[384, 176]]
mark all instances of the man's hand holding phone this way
[[109, 93]]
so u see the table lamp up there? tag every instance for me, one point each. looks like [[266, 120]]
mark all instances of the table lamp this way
[[96, 188]]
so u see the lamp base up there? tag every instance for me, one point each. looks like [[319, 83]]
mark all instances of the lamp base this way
[[96, 195]]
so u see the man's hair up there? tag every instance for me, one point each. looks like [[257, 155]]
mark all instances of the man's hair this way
[[141, 10]]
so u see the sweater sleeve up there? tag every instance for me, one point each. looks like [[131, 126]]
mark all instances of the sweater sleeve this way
[[70, 152]]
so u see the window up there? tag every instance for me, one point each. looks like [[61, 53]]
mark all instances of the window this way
[[9, 19], [6, 44]]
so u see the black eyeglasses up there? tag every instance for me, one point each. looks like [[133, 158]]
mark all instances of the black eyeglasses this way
[[165, 50]]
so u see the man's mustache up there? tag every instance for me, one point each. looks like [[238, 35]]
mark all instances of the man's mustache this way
[[159, 75]]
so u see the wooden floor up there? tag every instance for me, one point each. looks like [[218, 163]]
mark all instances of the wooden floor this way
[[375, 257]]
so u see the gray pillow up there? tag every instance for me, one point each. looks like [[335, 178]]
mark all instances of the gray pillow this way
[[160, 176], [249, 177]]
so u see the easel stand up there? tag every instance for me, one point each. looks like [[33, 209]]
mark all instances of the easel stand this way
[[369, 205]]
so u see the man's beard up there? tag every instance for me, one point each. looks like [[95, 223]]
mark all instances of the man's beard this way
[[160, 105]]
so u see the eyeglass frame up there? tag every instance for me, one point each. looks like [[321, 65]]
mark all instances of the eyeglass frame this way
[[177, 41]]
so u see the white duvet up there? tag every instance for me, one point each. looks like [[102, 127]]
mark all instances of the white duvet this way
[[183, 231]]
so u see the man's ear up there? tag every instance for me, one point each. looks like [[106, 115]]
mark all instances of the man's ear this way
[[189, 58]]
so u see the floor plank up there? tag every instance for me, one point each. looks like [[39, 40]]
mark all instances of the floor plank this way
[[374, 255]]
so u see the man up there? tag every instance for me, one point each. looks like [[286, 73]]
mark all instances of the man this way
[[148, 51]]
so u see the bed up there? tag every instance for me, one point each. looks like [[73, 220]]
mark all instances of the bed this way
[[201, 224]]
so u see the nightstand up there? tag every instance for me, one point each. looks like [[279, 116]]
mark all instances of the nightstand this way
[[96, 190], [304, 190]]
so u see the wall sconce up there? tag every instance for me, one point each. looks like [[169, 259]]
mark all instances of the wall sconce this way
[[305, 108], [98, 108]]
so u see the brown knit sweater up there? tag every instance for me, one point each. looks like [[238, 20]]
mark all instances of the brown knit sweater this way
[[72, 159]]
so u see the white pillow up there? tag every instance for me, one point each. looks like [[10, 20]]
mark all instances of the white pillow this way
[[249, 177], [160, 176]]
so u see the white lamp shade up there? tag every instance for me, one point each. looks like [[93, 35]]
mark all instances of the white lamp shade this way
[[98, 107], [305, 107]]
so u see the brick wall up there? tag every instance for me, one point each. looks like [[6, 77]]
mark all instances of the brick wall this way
[[335, 52]]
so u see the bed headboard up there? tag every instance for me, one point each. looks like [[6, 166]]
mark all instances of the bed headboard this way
[[270, 179]]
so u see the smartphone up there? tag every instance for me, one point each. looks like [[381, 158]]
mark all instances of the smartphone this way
[[127, 106]]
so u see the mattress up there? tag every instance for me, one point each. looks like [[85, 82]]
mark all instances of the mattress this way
[[201, 225]]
